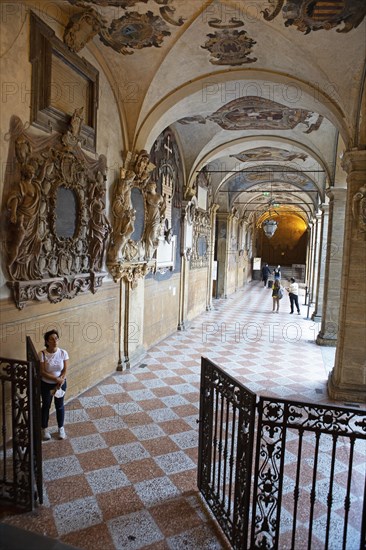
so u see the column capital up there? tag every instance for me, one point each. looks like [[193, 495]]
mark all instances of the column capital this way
[[214, 208], [354, 161], [335, 193], [223, 215]]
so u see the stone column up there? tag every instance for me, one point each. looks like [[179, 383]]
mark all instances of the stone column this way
[[308, 262], [347, 381], [333, 267], [317, 315], [222, 252], [213, 211], [188, 209], [316, 257]]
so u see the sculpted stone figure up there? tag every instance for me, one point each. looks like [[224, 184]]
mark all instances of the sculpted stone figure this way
[[143, 166], [99, 224], [25, 245], [123, 215], [155, 207]]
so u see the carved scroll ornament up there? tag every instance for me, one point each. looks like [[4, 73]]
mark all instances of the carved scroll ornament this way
[[56, 229], [359, 211]]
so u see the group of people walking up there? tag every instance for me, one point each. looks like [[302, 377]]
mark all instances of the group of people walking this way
[[278, 291]]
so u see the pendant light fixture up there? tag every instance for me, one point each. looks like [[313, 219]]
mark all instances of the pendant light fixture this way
[[270, 225]]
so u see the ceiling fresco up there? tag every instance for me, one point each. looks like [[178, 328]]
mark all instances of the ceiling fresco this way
[[234, 81], [257, 113], [245, 179], [313, 15], [260, 154], [137, 30], [132, 31], [230, 47]]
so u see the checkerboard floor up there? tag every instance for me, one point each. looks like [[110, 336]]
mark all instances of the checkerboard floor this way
[[125, 477]]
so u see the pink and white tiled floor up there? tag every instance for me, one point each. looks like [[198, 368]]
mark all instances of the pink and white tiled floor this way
[[125, 477]]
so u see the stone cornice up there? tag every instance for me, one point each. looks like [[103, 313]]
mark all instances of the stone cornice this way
[[354, 161]]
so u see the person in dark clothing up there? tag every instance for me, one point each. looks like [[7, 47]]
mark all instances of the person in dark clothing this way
[[293, 291], [265, 274], [277, 272]]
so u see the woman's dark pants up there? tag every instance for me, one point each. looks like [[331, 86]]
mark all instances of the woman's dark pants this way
[[47, 397]]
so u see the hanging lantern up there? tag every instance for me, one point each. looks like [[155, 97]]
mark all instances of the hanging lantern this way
[[269, 227]]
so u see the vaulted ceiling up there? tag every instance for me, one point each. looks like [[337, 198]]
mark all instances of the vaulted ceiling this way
[[263, 94]]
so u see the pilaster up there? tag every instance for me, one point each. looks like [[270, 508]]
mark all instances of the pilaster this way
[[347, 380], [222, 251], [316, 258], [333, 267], [317, 315], [213, 211]]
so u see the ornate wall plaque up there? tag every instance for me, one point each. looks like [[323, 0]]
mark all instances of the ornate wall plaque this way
[[53, 100], [54, 206], [201, 240]]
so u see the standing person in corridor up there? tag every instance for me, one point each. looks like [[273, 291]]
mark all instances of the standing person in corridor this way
[[275, 295], [265, 274], [277, 272], [54, 362], [293, 291]]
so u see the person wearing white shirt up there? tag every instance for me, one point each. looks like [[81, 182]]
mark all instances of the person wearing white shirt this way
[[53, 362], [293, 291]]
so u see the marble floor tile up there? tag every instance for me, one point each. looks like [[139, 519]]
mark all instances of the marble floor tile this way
[[126, 476], [156, 490], [76, 514], [135, 531]]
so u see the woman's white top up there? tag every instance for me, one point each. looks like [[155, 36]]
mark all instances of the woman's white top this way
[[294, 288], [54, 362]]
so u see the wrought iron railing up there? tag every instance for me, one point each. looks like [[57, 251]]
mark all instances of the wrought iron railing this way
[[281, 474], [21, 466]]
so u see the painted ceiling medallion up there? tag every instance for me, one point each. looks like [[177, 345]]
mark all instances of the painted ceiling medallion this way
[[313, 15], [81, 28], [257, 113], [230, 47], [135, 30], [260, 154]]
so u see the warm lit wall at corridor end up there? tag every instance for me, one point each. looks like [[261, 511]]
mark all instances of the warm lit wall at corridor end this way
[[288, 244]]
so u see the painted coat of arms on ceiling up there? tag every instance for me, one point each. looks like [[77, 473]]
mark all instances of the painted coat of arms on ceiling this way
[[256, 113], [313, 15], [131, 31], [135, 30], [260, 154], [228, 46]]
